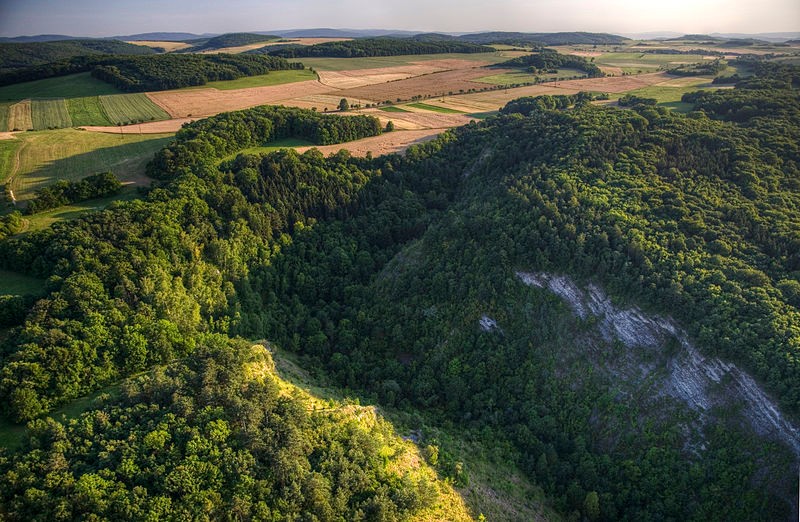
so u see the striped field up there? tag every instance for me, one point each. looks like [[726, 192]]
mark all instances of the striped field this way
[[19, 116], [4, 117], [50, 114], [125, 109], [87, 111]]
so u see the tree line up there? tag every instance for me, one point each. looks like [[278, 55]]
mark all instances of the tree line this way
[[365, 47], [64, 192], [545, 60]]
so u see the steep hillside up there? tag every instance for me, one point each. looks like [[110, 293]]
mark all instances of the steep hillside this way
[[465, 284]]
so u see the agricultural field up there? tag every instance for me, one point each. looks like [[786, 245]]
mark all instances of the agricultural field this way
[[522, 77], [4, 116], [634, 63], [273, 78], [87, 111], [668, 94], [72, 86], [19, 116], [434, 108], [12, 283], [167, 46], [435, 84], [350, 64], [7, 150], [50, 114], [392, 108], [46, 156], [124, 109]]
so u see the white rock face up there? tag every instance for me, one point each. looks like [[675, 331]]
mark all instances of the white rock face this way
[[488, 324], [698, 381]]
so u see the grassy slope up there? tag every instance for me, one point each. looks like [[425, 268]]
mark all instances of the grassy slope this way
[[4, 116], [72, 86], [404, 457], [497, 489], [7, 150], [45, 219], [19, 116], [72, 154], [272, 147]]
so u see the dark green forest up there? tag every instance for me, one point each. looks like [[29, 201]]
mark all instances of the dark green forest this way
[[64, 192], [375, 271], [228, 40], [155, 72], [22, 55], [364, 47]]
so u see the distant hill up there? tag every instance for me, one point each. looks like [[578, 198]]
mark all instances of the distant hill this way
[[17, 55], [340, 33], [38, 38], [228, 40], [163, 37], [512, 38], [364, 47]]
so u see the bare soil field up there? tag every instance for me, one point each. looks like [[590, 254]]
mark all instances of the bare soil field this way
[[614, 84], [207, 102], [434, 84], [167, 46], [387, 143]]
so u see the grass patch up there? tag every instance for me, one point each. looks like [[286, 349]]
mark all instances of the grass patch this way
[[45, 219], [73, 154], [392, 108], [264, 80], [434, 108], [670, 97], [72, 86], [483, 115], [287, 143], [50, 114], [521, 77], [124, 109], [19, 116], [87, 111], [13, 283]]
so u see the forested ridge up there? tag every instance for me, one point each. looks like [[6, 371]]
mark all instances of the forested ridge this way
[[377, 271], [22, 55], [364, 47], [155, 72]]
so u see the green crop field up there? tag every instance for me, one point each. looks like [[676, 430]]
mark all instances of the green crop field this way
[[273, 78], [344, 64], [646, 62], [392, 108], [124, 109], [670, 97], [73, 154], [434, 108], [72, 86], [50, 114], [87, 111], [521, 77]]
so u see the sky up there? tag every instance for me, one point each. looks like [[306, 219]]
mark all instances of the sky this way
[[123, 17]]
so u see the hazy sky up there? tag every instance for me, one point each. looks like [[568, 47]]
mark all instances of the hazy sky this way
[[114, 17]]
